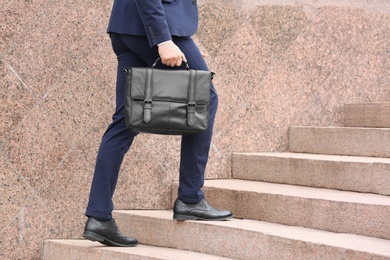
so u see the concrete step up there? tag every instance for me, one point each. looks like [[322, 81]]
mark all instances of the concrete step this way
[[247, 239], [351, 173], [374, 142], [323, 209], [367, 115], [84, 249]]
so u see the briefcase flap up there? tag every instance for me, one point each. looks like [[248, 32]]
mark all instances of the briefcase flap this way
[[170, 85]]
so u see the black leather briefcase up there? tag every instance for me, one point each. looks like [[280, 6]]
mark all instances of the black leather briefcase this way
[[172, 102]]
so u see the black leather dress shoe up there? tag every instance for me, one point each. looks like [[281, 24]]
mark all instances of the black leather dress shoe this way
[[106, 233], [199, 211]]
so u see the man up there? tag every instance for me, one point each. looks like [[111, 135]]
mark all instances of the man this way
[[141, 31]]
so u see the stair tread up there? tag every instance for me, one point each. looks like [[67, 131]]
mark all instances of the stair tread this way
[[299, 191], [140, 250], [322, 157], [340, 240]]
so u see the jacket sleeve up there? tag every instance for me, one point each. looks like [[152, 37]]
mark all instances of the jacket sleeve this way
[[153, 19]]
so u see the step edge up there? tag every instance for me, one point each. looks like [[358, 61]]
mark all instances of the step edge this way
[[317, 157], [366, 129]]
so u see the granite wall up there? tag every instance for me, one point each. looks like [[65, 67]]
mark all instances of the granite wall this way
[[278, 63]]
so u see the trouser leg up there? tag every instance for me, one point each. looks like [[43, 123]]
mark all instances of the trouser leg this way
[[116, 140], [195, 148]]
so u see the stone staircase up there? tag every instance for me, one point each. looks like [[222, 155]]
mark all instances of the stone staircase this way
[[328, 197]]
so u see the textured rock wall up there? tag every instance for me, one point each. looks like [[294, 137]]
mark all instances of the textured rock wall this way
[[278, 63]]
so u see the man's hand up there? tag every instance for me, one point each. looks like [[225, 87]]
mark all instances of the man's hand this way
[[170, 54]]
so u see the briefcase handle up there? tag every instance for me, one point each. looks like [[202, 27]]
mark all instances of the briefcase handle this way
[[159, 59], [187, 67]]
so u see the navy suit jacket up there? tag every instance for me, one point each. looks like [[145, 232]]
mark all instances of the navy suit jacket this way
[[158, 20]]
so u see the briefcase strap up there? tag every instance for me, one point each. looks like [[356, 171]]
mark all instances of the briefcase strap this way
[[148, 102], [191, 106]]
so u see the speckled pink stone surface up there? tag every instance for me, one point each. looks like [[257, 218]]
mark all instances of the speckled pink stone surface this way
[[277, 63]]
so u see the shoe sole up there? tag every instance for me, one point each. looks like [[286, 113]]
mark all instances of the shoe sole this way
[[190, 217], [98, 238]]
